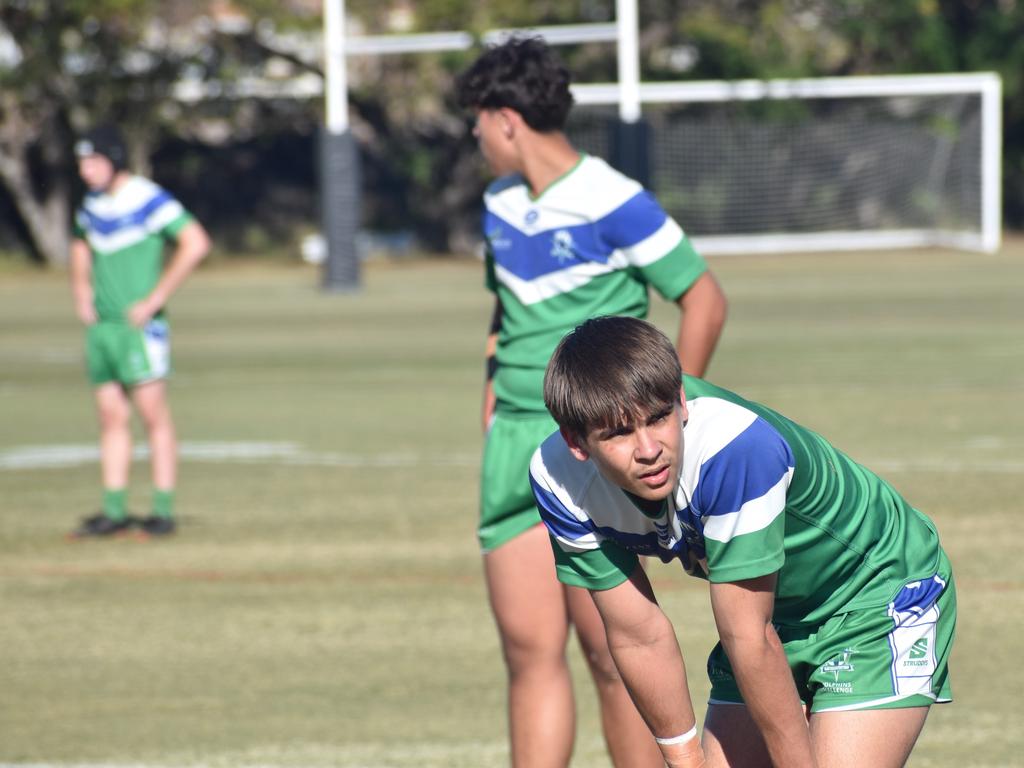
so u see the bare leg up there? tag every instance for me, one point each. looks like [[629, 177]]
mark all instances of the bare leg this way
[[630, 742], [114, 412], [881, 738], [731, 738], [530, 611], [151, 401]]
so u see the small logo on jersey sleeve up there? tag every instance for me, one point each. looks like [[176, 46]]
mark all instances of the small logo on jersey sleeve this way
[[497, 240]]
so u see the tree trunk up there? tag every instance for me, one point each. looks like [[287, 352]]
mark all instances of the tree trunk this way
[[45, 211], [46, 220]]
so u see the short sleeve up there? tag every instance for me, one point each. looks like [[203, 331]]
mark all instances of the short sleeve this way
[[165, 216], [603, 568], [654, 244]]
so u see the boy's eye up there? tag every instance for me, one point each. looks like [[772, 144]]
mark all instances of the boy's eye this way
[[657, 418]]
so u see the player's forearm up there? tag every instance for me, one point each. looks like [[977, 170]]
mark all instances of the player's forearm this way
[[652, 667], [703, 310], [193, 245], [81, 279], [765, 680]]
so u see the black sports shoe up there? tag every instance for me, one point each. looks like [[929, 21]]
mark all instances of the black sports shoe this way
[[100, 525], [157, 526]]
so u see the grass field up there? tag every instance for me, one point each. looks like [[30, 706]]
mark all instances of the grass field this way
[[323, 606]]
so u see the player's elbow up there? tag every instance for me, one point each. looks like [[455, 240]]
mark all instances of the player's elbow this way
[[196, 242]]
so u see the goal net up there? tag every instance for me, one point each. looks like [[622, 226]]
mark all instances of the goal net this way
[[822, 164]]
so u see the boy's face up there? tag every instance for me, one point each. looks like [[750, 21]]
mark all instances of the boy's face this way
[[494, 132], [96, 171], [642, 457]]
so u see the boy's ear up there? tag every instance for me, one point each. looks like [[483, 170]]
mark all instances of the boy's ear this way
[[576, 447], [682, 402]]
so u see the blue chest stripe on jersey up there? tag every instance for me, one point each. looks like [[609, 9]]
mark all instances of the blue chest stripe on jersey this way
[[745, 469], [107, 225], [552, 250], [559, 520], [633, 221]]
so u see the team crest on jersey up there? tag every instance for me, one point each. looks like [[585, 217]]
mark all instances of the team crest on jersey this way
[[531, 217], [562, 246]]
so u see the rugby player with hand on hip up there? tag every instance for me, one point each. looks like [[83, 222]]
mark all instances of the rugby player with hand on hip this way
[[567, 238]]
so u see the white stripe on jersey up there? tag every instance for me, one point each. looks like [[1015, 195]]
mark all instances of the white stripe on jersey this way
[[117, 240], [584, 543], [754, 515], [648, 251], [164, 215], [713, 424], [556, 283], [596, 188]]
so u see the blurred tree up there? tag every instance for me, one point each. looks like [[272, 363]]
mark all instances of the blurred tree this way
[[67, 64], [178, 75]]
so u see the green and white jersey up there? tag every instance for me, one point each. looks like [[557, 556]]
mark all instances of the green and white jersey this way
[[590, 245], [126, 232], [757, 494]]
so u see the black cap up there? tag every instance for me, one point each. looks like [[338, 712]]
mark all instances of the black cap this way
[[104, 140]]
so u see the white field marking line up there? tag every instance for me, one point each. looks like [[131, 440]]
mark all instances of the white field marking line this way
[[292, 454]]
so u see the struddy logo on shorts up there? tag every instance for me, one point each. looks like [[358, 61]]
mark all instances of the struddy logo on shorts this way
[[562, 246], [919, 649], [918, 655]]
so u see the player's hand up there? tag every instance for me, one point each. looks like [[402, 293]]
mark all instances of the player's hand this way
[[141, 312], [86, 312], [688, 755], [490, 402]]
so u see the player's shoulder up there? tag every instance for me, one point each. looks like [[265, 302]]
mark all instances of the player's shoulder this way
[[140, 192], [596, 187], [714, 422], [724, 429], [505, 186], [554, 467]]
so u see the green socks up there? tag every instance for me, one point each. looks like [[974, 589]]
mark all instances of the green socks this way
[[163, 503], [113, 504]]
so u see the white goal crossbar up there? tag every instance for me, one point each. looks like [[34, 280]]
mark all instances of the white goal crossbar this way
[[985, 85]]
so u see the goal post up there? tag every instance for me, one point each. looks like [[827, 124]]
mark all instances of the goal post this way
[[820, 164]]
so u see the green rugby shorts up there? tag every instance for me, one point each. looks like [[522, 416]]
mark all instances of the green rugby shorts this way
[[123, 353], [507, 506], [887, 657]]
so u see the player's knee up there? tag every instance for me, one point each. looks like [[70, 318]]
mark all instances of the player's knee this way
[[602, 667], [114, 416], [533, 655]]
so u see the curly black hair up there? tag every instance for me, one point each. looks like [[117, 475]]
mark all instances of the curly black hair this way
[[523, 74]]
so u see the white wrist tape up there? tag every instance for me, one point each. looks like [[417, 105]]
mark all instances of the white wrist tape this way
[[681, 739]]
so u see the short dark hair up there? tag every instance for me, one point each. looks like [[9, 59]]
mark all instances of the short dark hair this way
[[611, 371], [523, 74], [104, 140]]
